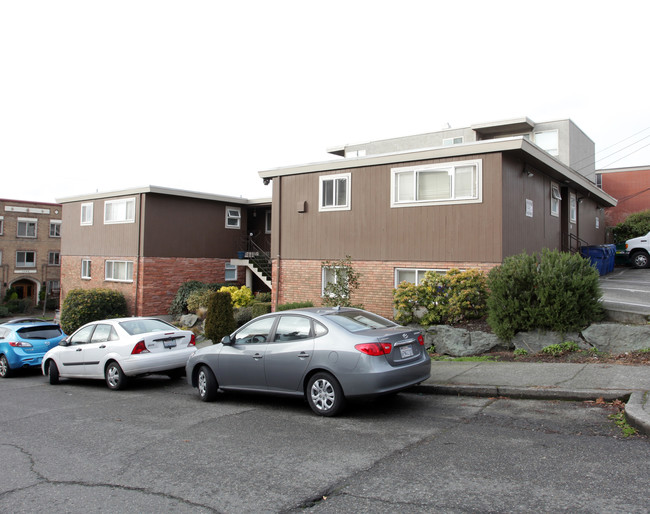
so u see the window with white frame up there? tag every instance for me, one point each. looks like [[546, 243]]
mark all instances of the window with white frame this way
[[54, 259], [119, 211], [119, 271], [231, 272], [448, 141], [435, 184], [555, 199], [334, 192], [25, 259], [87, 213], [413, 275], [267, 222], [233, 217], [0, 257], [85, 269], [332, 275], [26, 227], [548, 140], [573, 208], [2, 225], [55, 228]]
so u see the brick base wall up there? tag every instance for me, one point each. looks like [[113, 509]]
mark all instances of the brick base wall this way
[[300, 280]]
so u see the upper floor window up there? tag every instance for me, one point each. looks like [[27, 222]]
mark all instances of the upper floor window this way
[[25, 259], [54, 259], [599, 182], [431, 184], [573, 208], [87, 213], [448, 141], [355, 153], [27, 227], [119, 271], [555, 199], [85, 269], [2, 225], [548, 140], [334, 192], [233, 217], [119, 211], [267, 222], [55, 228]]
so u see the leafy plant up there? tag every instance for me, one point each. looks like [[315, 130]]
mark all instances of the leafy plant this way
[[621, 422], [559, 349], [241, 296], [345, 280], [635, 225], [179, 303], [82, 306], [520, 352], [294, 305], [220, 320]]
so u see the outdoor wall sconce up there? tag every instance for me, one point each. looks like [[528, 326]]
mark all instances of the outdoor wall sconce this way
[[528, 171]]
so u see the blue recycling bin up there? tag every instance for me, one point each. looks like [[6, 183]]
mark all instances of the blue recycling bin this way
[[597, 257], [610, 257]]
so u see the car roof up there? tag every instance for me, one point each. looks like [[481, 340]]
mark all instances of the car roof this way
[[26, 322]]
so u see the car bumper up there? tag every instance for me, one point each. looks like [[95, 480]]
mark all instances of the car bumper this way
[[155, 362], [21, 359]]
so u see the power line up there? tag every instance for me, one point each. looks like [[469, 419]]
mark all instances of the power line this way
[[577, 163], [627, 155]]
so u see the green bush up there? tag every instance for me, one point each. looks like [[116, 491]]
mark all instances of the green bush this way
[[263, 297], [442, 298], [198, 298], [4, 312], [241, 296], [558, 349], [294, 305], [635, 225], [549, 291], [220, 320], [258, 309], [178, 306], [243, 315], [82, 306]]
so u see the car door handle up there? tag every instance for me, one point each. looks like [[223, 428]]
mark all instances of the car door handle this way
[[103, 346], [303, 355], [257, 356], [79, 349]]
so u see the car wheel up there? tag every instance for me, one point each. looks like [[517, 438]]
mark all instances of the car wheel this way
[[115, 377], [5, 370], [640, 260], [207, 384], [324, 394], [53, 372]]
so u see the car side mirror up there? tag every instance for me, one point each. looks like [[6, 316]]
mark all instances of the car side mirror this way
[[226, 340], [64, 342]]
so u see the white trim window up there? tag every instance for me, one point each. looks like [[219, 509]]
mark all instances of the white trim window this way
[[55, 228], [556, 197], [413, 275], [54, 259], [119, 271], [2, 225], [25, 259], [334, 192], [573, 208], [27, 227], [437, 184], [231, 272], [0, 257], [547, 140], [233, 217], [87, 213], [53, 286], [267, 222], [332, 275], [449, 141], [119, 211], [85, 269]]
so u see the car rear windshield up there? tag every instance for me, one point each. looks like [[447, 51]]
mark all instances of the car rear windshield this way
[[40, 332], [143, 326], [356, 321]]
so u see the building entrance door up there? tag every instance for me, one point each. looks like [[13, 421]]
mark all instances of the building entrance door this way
[[24, 288]]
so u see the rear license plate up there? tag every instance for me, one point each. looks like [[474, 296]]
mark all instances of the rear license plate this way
[[406, 351], [169, 344]]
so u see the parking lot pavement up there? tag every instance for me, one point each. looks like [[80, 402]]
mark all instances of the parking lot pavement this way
[[627, 291]]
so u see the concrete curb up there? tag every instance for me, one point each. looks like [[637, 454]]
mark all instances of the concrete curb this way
[[636, 411]]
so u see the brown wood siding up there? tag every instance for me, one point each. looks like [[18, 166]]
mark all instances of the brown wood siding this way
[[588, 211], [372, 230], [116, 240], [176, 226]]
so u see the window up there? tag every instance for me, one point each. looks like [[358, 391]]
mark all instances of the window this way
[[2, 225], [103, 333], [548, 140], [231, 272], [267, 222], [597, 222], [555, 200], [87, 213], [55, 228], [292, 328], [333, 275], [0, 257], [599, 183], [255, 333], [119, 211], [119, 271], [334, 193], [412, 275], [27, 227], [355, 153], [448, 141], [573, 208], [233, 217], [54, 259], [85, 268], [431, 184], [53, 286], [25, 259]]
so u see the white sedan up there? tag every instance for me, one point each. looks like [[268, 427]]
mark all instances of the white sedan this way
[[115, 349]]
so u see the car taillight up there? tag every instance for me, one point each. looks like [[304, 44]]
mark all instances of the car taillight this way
[[192, 341], [374, 348], [421, 340], [139, 348], [20, 344]]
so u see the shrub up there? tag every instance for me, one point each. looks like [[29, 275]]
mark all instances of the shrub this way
[[179, 303], [345, 281], [243, 315], [558, 349], [82, 306], [263, 297], [4, 312], [220, 320], [550, 291], [241, 296], [259, 309], [294, 305], [635, 225], [198, 299]]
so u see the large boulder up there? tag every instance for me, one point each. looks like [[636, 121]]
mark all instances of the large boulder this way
[[459, 342], [616, 338], [189, 320], [534, 341]]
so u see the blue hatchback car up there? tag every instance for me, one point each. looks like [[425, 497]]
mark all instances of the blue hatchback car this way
[[23, 342]]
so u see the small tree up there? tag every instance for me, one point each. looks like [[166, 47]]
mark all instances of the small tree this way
[[220, 319], [343, 281], [635, 225]]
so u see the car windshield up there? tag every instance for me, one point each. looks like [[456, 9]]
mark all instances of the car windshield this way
[[355, 321], [40, 332], [142, 326]]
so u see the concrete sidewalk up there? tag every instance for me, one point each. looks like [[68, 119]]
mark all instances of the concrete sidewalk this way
[[547, 381]]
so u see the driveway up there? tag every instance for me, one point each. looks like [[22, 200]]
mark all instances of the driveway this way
[[627, 291]]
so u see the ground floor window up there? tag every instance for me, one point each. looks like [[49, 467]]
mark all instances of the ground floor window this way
[[119, 271], [85, 268], [413, 275], [231, 272]]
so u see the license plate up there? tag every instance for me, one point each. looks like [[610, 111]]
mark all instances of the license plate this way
[[169, 344], [406, 351]]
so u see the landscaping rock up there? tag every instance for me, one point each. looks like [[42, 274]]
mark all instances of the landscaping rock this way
[[616, 338], [459, 342], [189, 320], [534, 341]]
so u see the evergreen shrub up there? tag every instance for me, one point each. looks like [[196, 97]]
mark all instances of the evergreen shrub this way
[[220, 320], [82, 306], [635, 225], [294, 305]]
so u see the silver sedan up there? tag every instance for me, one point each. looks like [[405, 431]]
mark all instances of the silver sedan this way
[[323, 354]]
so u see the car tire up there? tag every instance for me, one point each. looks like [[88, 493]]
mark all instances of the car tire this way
[[324, 394], [53, 372], [640, 260], [115, 377], [207, 384], [5, 370]]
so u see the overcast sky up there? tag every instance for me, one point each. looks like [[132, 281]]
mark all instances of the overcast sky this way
[[201, 95]]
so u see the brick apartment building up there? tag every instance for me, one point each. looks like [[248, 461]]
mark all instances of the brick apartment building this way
[[630, 186], [30, 248]]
